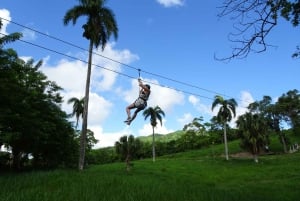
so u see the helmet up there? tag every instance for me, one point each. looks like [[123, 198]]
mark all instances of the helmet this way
[[148, 86]]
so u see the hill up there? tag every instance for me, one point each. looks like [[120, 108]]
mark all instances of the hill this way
[[162, 137]]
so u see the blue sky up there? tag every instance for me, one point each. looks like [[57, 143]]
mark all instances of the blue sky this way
[[175, 39]]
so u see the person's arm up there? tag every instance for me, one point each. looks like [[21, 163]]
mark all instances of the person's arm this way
[[143, 86]]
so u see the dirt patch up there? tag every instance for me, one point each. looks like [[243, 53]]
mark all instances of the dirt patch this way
[[242, 155]]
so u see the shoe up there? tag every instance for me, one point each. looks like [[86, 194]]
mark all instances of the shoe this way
[[128, 120]]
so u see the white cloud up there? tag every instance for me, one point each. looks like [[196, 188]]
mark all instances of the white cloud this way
[[164, 97], [245, 100], [194, 100], [71, 76], [28, 35], [104, 75], [170, 3], [107, 139], [160, 129], [185, 119], [200, 107], [5, 21]]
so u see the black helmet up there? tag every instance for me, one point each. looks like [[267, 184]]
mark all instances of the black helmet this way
[[148, 86]]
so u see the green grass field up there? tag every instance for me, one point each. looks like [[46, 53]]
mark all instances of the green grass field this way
[[200, 175]]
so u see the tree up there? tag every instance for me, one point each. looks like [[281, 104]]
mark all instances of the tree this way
[[154, 114], [126, 148], [195, 126], [254, 20], [225, 113], [253, 129], [289, 106], [272, 115], [100, 25], [78, 105], [31, 119]]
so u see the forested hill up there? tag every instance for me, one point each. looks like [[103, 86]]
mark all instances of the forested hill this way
[[162, 137]]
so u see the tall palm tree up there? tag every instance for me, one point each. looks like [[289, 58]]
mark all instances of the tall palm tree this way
[[227, 109], [154, 114], [100, 25], [78, 105]]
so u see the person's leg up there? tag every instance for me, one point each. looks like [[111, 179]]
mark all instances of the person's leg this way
[[134, 115], [128, 108]]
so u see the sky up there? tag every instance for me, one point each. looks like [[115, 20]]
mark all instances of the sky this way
[[172, 42]]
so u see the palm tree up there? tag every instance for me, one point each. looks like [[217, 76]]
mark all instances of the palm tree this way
[[253, 129], [125, 148], [227, 108], [99, 27], [154, 114], [78, 105], [195, 126]]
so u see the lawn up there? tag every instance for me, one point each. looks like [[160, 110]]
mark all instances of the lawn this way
[[195, 175]]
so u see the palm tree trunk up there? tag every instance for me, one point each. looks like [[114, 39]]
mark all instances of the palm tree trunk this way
[[153, 144], [85, 110], [225, 142]]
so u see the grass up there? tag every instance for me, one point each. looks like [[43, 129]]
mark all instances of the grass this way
[[188, 176]]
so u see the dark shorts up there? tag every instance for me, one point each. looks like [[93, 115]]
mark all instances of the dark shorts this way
[[140, 104]]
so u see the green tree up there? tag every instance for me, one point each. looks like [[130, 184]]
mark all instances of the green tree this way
[[78, 105], [126, 148], [289, 106], [225, 114], [31, 119], [100, 25], [272, 115], [254, 20], [196, 126], [154, 114], [253, 129]]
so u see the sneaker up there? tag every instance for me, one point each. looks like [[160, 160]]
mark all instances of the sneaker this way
[[127, 120]]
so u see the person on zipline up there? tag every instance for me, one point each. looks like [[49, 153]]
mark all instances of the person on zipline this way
[[140, 103]]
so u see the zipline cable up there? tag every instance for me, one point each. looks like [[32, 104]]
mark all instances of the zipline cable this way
[[114, 71], [146, 72]]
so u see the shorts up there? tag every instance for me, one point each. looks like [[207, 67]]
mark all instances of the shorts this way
[[140, 104]]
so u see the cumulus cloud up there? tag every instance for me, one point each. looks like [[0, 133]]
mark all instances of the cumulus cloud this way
[[106, 66], [71, 76], [161, 129], [163, 97], [185, 119], [28, 35], [199, 106], [6, 16], [106, 139], [170, 3], [245, 99]]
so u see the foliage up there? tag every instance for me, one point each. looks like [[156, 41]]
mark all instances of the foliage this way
[[289, 105], [32, 123], [77, 108], [33, 127], [253, 130], [127, 149]]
